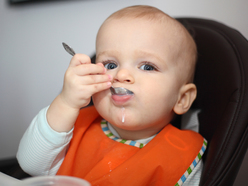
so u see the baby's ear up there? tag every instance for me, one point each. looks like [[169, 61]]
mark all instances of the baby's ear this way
[[186, 97]]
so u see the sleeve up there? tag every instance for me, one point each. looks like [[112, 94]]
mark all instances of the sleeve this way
[[195, 176], [42, 150]]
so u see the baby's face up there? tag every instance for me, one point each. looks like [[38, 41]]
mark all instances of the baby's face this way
[[140, 56]]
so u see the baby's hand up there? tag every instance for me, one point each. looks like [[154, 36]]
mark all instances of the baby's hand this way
[[82, 80]]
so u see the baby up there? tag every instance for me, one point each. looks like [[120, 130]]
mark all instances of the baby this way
[[142, 49]]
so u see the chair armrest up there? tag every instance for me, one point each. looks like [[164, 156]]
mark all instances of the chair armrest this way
[[12, 168]]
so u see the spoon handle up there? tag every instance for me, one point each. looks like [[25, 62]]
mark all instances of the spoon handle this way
[[68, 49]]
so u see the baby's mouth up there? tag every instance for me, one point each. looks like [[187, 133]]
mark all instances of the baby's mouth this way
[[120, 91]]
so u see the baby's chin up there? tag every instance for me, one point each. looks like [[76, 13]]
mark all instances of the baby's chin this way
[[127, 126], [128, 123]]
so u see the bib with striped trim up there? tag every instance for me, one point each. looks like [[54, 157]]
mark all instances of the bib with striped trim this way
[[167, 159]]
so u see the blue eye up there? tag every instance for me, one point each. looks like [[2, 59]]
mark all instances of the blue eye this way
[[147, 67], [110, 65]]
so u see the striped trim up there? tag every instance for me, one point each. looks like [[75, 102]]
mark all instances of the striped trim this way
[[193, 165], [108, 133]]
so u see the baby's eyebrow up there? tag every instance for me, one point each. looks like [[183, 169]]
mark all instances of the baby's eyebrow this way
[[148, 54], [108, 53]]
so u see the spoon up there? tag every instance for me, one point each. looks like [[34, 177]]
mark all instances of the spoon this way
[[114, 90], [120, 91]]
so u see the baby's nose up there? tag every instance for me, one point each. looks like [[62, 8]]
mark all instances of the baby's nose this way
[[124, 76]]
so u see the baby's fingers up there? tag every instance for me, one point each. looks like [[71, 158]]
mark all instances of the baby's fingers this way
[[95, 79], [99, 87], [89, 69], [79, 59]]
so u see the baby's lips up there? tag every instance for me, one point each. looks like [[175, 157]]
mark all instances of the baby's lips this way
[[121, 99]]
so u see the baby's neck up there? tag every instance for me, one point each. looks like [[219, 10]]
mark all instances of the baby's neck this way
[[135, 135]]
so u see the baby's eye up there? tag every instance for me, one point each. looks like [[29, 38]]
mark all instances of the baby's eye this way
[[147, 67], [109, 65]]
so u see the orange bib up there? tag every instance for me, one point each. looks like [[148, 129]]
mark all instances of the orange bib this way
[[100, 160]]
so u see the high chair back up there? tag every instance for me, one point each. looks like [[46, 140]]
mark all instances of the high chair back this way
[[222, 81]]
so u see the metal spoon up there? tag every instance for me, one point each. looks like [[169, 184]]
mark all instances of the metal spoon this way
[[120, 91], [114, 90]]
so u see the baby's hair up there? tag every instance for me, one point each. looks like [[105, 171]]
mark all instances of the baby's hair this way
[[140, 11]]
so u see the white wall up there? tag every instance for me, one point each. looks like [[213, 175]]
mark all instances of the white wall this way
[[33, 62]]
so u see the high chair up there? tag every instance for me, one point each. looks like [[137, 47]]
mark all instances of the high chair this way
[[221, 78]]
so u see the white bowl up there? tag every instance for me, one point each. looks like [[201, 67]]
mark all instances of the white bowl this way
[[54, 181]]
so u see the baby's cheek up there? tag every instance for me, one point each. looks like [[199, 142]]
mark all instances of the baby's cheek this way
[[96, 98], [101, 100]]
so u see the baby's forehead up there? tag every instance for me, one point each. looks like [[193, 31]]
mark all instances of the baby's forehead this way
[[165, 22], [169, 30], [180, 39]]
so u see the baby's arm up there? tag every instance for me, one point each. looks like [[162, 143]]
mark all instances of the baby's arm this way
[[42, 150]]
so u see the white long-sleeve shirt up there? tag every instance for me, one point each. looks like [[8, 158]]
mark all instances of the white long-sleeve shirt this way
[[42, 150]]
